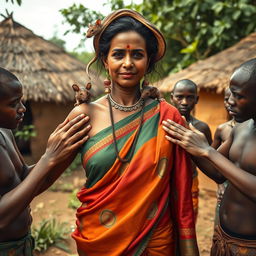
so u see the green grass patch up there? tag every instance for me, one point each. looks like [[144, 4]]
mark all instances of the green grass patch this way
[[50, 232]]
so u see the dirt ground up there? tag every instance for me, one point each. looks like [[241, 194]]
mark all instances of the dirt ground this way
[[55, 204]]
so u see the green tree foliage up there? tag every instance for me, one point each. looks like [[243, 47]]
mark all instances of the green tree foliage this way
[[25, 133], [85, 57], [59, 42], [19, 2], [79, 16], [194, 29]]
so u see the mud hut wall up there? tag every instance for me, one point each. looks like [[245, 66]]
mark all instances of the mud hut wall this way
[[46, 117], [210, 109]]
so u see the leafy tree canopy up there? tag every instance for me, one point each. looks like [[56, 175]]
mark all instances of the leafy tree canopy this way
[[59, 42], [194, 29], [83, 56], [13, 1]]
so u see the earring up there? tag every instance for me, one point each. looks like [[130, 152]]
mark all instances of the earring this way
[[107, 83]]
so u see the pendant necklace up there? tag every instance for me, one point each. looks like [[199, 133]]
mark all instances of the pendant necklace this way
[[125, 160]]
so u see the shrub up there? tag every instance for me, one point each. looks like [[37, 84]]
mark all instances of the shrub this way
[[51, 232]]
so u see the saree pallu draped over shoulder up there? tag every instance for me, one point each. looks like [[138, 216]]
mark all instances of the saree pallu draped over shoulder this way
[[124, 204]]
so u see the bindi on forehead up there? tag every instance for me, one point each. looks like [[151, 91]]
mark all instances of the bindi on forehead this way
[[128, 47]]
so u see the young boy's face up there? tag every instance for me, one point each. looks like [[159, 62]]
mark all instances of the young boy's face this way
[[184, 99], [11, 108], [242, 100], [226, 97]]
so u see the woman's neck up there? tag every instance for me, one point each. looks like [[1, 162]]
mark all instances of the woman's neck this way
[[126, 96]]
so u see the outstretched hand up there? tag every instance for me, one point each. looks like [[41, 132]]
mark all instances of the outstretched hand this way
[[67, 138], [192, 140]]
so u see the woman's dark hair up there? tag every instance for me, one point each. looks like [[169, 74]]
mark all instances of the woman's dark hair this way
[[125, 24]]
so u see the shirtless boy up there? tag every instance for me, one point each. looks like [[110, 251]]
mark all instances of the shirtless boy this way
[[234, 161], [19, 184], [223, 130], [222, 133], [184, 97]]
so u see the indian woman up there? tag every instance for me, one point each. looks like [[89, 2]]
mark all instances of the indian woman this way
[[137, 196]]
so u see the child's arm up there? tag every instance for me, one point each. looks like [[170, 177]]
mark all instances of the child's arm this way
[[205, 129], [65, 140], [214, 163], [26, 168], [217, 138], [58, 170], [194, 142]]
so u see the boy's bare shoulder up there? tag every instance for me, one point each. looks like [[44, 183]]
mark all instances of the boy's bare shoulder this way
[[200, 125], [244, 127], [222, 126], [6, 174], [5, 134]]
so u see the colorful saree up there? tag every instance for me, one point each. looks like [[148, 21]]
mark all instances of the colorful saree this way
[[123, 204], [195, 195]]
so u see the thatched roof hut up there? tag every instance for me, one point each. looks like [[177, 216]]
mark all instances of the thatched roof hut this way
[[214, 72], [45, 70]]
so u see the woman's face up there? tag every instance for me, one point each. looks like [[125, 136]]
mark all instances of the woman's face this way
[[127, 59]]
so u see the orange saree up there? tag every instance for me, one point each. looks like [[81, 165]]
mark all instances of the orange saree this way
[[125, 204]]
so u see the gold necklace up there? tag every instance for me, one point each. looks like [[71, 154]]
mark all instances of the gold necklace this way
[[125, 160]]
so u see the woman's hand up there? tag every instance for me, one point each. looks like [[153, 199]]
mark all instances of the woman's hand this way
[[192, 140], [67, 138]]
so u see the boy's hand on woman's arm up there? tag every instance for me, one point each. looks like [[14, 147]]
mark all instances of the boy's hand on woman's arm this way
[[192, 140], [67, 138], [62, 148]]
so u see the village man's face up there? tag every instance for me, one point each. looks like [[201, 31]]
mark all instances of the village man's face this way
[[226, 97], [184, 98], [11, 108], [242, 100]]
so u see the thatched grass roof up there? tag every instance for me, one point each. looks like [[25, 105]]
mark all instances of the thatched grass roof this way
[[46, 71], [214, 72]]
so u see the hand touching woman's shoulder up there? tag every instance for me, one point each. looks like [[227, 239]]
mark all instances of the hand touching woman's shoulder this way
[[80, 109]]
